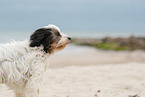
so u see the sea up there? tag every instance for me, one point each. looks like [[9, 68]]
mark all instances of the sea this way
[[7, 36]]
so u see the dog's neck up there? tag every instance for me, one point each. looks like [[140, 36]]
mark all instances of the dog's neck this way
[[38, 50], [26, 46]]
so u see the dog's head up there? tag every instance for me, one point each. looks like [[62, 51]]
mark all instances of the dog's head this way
[[50, 37]]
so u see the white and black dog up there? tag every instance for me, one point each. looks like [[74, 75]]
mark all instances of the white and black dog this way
[[22, 63]]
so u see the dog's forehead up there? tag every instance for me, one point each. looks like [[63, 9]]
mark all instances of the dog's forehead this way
[[53, 27]]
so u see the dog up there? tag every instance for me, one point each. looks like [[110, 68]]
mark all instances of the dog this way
[[23, 63]]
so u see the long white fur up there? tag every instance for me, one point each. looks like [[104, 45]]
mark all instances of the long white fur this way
[[16, 60]]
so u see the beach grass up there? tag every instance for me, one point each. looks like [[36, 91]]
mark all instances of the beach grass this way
[[109, 43], [110, 46]]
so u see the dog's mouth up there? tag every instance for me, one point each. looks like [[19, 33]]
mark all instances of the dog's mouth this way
[[62, 46], [68, 42]]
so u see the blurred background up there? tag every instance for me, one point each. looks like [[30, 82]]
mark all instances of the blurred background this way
[[103, 32], [77, 18], [98, 27]]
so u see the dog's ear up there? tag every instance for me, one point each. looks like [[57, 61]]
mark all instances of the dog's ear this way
[[41, 37]]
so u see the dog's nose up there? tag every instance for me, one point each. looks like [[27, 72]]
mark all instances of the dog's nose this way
[[69, 38]]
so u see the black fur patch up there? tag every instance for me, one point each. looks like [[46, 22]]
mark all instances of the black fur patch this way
[[45, 37]]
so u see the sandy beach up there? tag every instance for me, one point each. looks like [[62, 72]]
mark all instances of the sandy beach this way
[[113, 80], [81, 71]]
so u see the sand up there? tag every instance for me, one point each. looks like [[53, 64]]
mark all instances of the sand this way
[[114, 80], [87, 72]]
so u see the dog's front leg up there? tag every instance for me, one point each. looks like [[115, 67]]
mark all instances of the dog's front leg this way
[[32, 87]]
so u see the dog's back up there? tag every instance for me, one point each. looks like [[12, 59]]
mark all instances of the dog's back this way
[[12, 51]]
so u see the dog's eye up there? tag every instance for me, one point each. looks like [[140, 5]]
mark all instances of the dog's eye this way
[[58, 34]]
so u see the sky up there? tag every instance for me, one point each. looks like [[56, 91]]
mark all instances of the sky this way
[[73, 16]]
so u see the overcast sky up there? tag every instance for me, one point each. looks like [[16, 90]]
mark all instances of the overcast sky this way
[[74, 15]]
